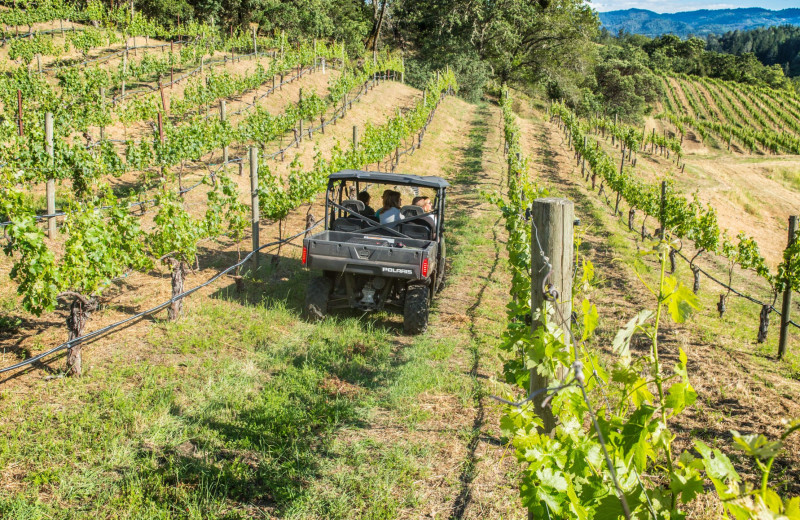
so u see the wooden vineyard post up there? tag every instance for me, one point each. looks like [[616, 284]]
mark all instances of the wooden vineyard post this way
[[222, 116], [51, 183], [164, 103], [786, 309], [255, 43], [355, 138], [161, 128], [403, 71], [300, 119], [19, 113], [103, 106], [254, 202], [124, 69], [553, 220]]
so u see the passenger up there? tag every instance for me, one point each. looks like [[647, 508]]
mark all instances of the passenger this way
[[368, 211], [390, 212], [426, 205]]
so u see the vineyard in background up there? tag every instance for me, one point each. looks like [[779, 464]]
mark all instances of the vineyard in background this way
[[750, 118], [60, 140]]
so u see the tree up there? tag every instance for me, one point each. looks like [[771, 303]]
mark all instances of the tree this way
[[625, 82], [512, 40], [378, 15]]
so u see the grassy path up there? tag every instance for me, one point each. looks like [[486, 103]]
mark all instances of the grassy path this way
[[243, 410]]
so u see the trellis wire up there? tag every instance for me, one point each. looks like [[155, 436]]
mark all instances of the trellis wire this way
[[153, 310]]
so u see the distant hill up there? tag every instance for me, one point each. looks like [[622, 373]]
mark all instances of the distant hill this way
[[699, 23]]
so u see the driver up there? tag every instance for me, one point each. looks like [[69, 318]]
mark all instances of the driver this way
[[426, 205]]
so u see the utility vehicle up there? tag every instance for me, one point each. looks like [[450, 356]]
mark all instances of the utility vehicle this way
[[370, 266]]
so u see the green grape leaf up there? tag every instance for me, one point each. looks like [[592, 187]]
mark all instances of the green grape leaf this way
[[575, 504], [640, 393], [551, 485], [634, 436], [756, 446], [718, 469], [773, 501], [792, 508], [679, 299], [687, 482], [679, 396], [622, 341], [590, 318]]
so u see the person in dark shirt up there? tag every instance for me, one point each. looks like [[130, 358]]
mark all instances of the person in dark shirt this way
[[368, 211]]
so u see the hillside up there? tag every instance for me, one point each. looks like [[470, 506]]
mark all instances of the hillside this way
[[197, 320], [698, 23]]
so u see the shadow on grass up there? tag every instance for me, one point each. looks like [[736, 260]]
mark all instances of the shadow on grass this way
[[466, 179]]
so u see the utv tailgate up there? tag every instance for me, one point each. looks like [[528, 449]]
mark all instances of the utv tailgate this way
[[373, 255]]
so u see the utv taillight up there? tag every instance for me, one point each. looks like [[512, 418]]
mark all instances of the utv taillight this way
[[305, 255], [425, 267]]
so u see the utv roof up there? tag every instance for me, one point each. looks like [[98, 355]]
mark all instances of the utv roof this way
[[390, 178]]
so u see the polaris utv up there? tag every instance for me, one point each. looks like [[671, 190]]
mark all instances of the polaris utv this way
[[370, 266]]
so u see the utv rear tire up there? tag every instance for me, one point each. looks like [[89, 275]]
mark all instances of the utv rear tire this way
[[317, 294], [415, 312]]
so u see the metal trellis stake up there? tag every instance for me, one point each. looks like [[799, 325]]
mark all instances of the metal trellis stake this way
[[254, 200], [51, 183]]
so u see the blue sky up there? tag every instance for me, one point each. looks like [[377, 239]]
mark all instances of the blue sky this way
[[673, 6]]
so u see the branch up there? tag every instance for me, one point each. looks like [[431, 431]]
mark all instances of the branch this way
[[89, 302]]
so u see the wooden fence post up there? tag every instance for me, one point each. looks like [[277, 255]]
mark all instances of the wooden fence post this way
[[19, 113], [164, 102], [124, 69], [222, 117], [786, 309], [355, 138], [254, 200], [300, 121], [553, 221], [51, 183]]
